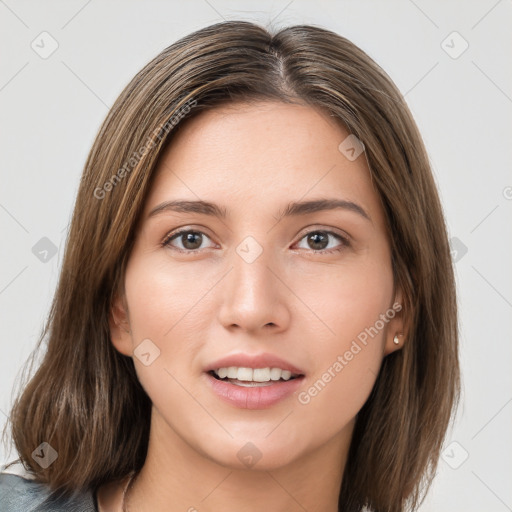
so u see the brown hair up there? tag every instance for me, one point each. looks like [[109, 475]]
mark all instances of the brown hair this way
[[85, 399]]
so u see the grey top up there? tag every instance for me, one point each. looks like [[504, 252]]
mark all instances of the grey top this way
[[20, 494]]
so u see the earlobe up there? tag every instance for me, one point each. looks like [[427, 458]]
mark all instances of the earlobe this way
[[120, 332], [395, 341], [395, 337], [398, 340]]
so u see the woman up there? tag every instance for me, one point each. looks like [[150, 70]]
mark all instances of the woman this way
[[257, 306]]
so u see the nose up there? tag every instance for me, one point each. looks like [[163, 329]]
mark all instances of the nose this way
[[254, 296]]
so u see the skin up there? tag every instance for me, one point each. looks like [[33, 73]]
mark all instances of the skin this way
[[295, 300]]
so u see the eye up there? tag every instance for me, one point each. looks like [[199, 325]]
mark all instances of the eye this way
[[191, 240], [318, 241]]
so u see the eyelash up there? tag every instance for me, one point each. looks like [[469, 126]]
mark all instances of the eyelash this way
[[168, 239]]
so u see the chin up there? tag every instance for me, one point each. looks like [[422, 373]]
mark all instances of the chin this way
[[256, 455]]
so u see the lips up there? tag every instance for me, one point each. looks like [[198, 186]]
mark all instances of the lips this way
[[262, 397], [257, 395], [263, 360]]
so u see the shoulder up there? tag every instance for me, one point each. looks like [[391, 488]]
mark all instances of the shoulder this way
[[20, 492]]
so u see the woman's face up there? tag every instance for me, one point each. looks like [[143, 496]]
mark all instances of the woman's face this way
[[312, 287]]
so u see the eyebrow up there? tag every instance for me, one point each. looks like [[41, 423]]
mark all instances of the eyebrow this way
[[291, 210]]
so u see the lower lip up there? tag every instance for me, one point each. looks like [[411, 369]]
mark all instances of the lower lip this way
[[260, 397]]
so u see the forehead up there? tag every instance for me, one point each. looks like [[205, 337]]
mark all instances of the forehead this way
[[263, 155]]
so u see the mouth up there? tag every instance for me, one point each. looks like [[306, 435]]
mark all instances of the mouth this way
[[244, 392], [253, 381], [265, 377]]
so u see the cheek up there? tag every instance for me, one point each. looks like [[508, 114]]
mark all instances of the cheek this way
[[169, 309], [349, 352], [162, 300], [347, 300]]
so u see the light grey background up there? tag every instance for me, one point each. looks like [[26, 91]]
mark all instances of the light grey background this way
[[51, 109]]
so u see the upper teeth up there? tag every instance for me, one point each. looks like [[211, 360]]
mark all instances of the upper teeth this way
[[256, 374]]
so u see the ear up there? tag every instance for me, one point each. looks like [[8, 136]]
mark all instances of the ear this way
[[119, 324], [395, 327]]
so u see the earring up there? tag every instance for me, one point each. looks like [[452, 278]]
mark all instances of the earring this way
[[396, 341]]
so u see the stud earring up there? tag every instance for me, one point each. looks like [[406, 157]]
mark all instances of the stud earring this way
[[396, 341]]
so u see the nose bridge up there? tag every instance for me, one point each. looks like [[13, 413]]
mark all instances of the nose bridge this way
[[251, 297]]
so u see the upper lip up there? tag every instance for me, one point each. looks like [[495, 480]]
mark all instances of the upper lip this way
[[263, 360]]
